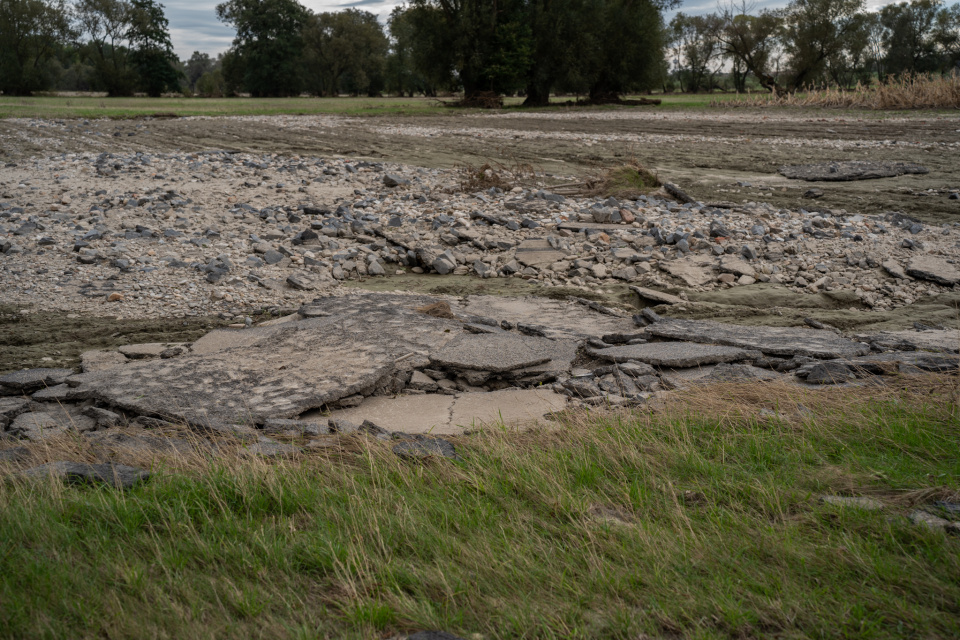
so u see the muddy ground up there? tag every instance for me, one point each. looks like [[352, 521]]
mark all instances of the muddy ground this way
[[710, 153]]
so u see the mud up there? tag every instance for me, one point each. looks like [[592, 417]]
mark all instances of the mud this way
[[708, 152]]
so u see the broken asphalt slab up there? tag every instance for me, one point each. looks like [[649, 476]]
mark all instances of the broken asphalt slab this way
[[848, 171], [674, 354]]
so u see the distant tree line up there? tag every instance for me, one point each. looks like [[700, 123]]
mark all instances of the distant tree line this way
[[811, 43], [600, 49]]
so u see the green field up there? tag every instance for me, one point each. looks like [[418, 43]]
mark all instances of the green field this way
[[700, 522], [102, 107]]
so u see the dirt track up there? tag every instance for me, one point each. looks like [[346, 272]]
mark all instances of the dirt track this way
[[707, 151]]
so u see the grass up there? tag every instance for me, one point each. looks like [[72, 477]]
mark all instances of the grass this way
[[86, 106], [697, 521]]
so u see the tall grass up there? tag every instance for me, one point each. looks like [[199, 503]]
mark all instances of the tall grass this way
[[918, 91], [697, 520]]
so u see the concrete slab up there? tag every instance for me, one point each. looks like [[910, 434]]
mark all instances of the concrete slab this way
[[487, 352], [538, 253], [674, 354], [442, 414], [773, 341], [694, 271], [560, 318]]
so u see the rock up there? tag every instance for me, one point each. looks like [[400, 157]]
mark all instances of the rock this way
[[677, 193], [118, 475], [146, 350], [736, 266], [392, 180], [59, 393], [894, 269], [538, 252], [36, 426], [28, 380], [487, 352], [10, 408], [927, 267], [674, 354], [420, 447], [433, 635], [370, 429], [101, 360], [343, 427], [868, 504], [15, 455], [115, 442], [813, 193], [847, 171], [830, 373], [278, 371], [935, 523], [422, 382], [301, 282], [774, 341], [292, 427], [692, 271], [267, 448], [656, 296], [937, 340], [737, 373]]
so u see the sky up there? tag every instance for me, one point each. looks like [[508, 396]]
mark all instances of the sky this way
[[194, 25]]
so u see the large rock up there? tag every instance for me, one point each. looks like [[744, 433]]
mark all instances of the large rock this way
[[10, 408], [674, 354], [847, 171], [488, 352], [117, 475], [693, 271], [537, 252], [933, 269], [36, 426], [27, 380], [278, 371], [940, 340], [773, 341], [737, 266]]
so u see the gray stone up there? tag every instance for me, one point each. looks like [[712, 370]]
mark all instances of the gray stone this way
[[774, 341], [300, 281], [117, 475], [433, 635], [116, 442], [278, 371], [937, 270], [538, 252], [830, 372], [36, 426], [674, 354], [14, 455], [420, 447], [272, 257], [27, 380], [100, 360], [656, 296], [939, 340], [487, 352], [737, 373], [392, 180], [285, 426], [10, 408], [847, 171], [693, 271], [893, 267], [342, 427], [104, 418], [935, 523], [267, 448], [422, 382], [737, 266], [868, 504], [59, 392], [368, 428]]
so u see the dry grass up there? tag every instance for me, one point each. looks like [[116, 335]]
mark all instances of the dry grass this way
[[904, 93], [495, 174], [625, 181]]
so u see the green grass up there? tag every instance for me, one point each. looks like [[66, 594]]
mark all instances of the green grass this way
[[101, 107], [682, 524]]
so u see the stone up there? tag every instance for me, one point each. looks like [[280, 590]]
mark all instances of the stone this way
[[433, 413], [421, 447], [301, 282], [935, 523], [115, 442], [146, 350], [342, 427], [538, 253], [422, 382], [738, 373], [60, 392], [937, 340], [10, 408], [926, 267], [487, 352], [656, 296], [433, 635], [847, 171], [774, 341], [15, 455], [267, 448], [28, 380], [830, 373], [117, 475], [293, 427], [736, 266], [280, 371], [692, 271], [674, 354], [393, 180], [36, 426], [868, 504], [894, 269]]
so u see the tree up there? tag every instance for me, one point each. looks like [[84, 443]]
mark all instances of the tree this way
[[346, 50], [696, 42], [419, 59], [197, 65], [909, 36], [267, 49], [947, 36], [752, 40], [151, 50], [30, 32], [814, 31], [106, 24]]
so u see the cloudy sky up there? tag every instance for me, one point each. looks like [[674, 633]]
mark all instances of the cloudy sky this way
[[194, 25]]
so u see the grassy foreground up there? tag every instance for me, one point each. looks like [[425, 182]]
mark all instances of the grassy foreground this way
[[697, 521], [101, 107]]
